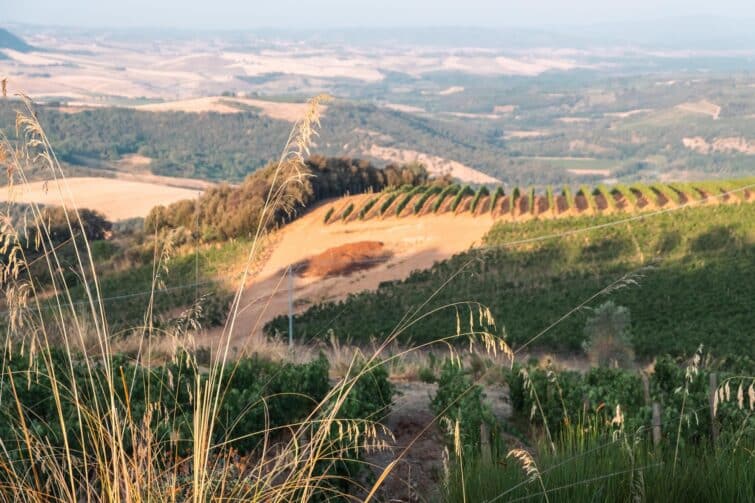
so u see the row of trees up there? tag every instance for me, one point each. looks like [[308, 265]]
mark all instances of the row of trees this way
[[226, 211]]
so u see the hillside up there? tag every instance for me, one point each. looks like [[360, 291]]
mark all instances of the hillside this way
[[689, 263], [10, 41], [527, 203], [550, 132], [410, 244]]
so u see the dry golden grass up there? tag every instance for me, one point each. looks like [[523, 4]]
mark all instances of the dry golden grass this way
[[115, 198], [117, 470]]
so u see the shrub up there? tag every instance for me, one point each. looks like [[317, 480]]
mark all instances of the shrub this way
[[367, 207], [464, 192], [608, 340], [497, 195], [425, 196], [450, 190], [388, 202], [460, 401], [408, 197], [482, 191], [347, 211]]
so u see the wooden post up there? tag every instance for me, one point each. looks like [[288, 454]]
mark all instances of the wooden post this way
[[485, 442], [656, 423], [712, 390], [290, 307]]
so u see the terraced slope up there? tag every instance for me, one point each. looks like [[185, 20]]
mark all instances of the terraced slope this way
[[524, 204]]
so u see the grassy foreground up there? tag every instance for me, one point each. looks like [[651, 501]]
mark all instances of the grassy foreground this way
[[80, 422]]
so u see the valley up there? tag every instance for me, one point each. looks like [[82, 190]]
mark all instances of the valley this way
[[377, 264]]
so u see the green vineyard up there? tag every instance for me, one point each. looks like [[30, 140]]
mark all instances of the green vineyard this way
[[694, 269]]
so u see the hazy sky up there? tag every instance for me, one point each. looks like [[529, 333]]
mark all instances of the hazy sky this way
[[234, 14]]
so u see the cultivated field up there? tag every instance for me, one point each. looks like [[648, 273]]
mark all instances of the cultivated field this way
[[290, 112], [115, 198]]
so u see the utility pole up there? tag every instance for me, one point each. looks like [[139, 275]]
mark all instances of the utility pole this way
[[290, 306]]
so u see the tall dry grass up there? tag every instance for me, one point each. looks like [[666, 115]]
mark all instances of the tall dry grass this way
[[110, 452]]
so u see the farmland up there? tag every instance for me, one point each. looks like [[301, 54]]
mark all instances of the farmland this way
[[494, 265]]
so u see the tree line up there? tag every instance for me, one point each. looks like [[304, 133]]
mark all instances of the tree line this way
[[228, 211]]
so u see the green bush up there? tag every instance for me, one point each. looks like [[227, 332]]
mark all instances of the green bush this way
[[450, 190], [464, 192], [482, 191], [425, 196], [347, 211], [367, 207], [408, 197], [257, 394], [388, 202], [290, 392], [497, 195], [565, 397], [459, 400]]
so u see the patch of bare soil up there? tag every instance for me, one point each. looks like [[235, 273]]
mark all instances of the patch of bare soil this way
[[522, 206], [445, 206], [703, 107], [345, 259], [418, 473]]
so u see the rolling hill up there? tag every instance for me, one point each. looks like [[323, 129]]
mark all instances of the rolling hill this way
[[10, 41], [676, 265]]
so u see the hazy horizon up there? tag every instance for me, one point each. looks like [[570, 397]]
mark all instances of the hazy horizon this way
[[237, 14]]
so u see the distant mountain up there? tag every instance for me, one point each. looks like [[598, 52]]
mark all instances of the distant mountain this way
[[10, 41]]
